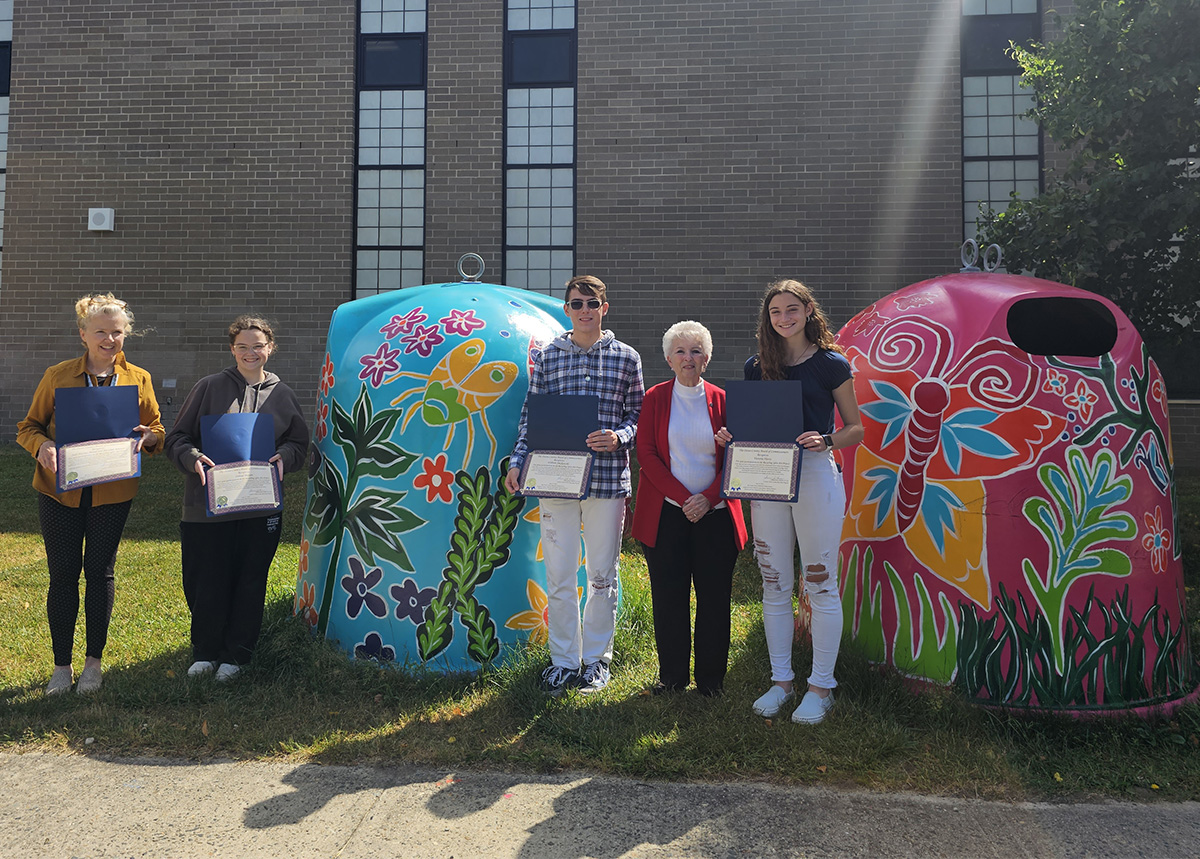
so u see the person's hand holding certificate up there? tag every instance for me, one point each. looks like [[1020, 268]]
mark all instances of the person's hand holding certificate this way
[[242, 479], [762, 462], [559, 463], [92, 436]]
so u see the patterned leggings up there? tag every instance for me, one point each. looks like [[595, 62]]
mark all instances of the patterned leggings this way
[[80, 538]]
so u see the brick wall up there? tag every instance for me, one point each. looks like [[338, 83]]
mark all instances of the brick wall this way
[[464, 153], [221, 132], [1185, 436], [723, 144]]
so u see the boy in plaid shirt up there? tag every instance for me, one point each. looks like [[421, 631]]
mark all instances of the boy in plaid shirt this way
[[586, 360]]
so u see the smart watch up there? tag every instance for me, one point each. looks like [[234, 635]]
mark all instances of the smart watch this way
[[828, 439]]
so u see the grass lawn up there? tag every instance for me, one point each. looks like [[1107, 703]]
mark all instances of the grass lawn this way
[[304, 700]]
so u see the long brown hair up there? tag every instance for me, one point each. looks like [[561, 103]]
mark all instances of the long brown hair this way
[[772, 354]]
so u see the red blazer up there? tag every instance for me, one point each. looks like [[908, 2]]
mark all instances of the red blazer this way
[[655, 481]]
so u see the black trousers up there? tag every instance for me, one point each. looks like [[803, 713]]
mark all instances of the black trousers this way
[[686, 555], [225, 566], [80, 538]]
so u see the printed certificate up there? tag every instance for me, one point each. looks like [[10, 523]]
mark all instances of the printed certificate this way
[[242, 487], [86, 463], [761, 471], [556, 474]]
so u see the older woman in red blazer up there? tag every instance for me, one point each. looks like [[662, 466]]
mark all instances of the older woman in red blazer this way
[[691, 536]]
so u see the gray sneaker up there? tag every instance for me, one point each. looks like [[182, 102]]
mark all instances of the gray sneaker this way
[[89, 680], [595, 677], [556, 680]]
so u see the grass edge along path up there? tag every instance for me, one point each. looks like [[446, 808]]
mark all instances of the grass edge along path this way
[[303, 699]]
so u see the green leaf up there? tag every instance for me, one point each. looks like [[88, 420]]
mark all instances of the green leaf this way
[[375, 522]]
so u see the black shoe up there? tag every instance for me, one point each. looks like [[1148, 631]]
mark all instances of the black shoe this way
[[663, 689]]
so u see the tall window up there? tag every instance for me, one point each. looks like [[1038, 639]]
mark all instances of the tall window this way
[[1002, 150], [390, 210], [539, 174], [6, 21]]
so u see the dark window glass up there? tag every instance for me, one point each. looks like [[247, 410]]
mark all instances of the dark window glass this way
[[985, 41], [1079, 327], [392, 62], [541, 58], [5, 67]]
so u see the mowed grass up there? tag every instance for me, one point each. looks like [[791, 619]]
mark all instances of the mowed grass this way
[[303, 699]]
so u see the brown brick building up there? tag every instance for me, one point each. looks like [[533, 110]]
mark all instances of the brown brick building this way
[[284, 157]]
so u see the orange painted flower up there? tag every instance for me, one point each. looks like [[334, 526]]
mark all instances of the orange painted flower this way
[[1156, 541], [537, 618], [1082, 399], [306, 604], [437, 482]]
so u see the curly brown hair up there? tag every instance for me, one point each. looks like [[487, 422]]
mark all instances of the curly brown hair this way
[[772, 353], [247, 322]]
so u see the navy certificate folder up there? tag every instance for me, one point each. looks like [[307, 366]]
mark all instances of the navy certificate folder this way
[[89, 414], [237, 437], [561, 421], [764, 411]]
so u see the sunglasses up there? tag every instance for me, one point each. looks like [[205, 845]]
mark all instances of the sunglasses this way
[[579, 304]]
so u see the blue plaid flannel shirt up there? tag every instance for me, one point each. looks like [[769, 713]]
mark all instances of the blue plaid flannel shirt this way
[[612, 371]]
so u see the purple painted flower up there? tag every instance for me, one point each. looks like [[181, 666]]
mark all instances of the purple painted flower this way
[[359, 584], [376, 366], [373, 648], [422, 340], [411, 601], [403, 324], [461, 322]]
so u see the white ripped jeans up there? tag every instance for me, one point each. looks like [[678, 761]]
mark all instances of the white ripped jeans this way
[[572, 642], [815, 519]]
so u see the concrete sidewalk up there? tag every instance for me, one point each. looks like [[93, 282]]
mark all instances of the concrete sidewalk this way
[[78, 806]]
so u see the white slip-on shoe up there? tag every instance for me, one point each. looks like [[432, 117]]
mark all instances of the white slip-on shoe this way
[[227, 672], [200, 667], [89, 680], [812, 708], [60, 682], [771, 702]]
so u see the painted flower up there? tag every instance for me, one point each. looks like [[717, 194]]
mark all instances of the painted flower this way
[[461, 322], [437, 482], [909, 302], [376, 366], [359, 586], [403, 324], [536, 619], [1056, 382], [326, 375], [411, 601], [1158, 392], [1082, 398], [1157, 541], [322, 429], [305, 607], [373, 647], [422, 340]]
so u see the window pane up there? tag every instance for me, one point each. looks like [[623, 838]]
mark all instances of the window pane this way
[[397, 61]]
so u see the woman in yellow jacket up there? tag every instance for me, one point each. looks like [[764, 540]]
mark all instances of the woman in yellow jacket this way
[[82, 528]]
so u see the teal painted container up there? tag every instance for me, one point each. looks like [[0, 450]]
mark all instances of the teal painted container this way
[[412, 551]]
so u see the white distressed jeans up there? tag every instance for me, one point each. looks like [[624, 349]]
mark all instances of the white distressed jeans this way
[[572, 642], [815, 520]]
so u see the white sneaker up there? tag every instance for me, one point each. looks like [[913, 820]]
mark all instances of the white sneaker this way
[[812, 708], [200, 667], [227, 672], [772, 701]]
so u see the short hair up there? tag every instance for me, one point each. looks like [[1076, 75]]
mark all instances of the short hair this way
[[102, 303], [588, 284], [247, 322], [691, 329]]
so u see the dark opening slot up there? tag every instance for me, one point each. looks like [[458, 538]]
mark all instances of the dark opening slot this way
[[1079, 327]]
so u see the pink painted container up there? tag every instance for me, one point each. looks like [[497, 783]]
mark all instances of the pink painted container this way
[[1011, 510]]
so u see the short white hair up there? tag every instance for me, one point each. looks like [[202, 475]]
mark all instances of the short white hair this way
[[691, 330]]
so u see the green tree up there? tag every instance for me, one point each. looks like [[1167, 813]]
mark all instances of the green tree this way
[[1119, 91]]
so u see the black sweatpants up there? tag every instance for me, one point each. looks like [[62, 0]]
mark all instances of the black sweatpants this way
[[83, 538], [225, 567], [686, 554]]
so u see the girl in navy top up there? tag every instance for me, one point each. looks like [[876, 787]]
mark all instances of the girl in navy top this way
[[795, 344]]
